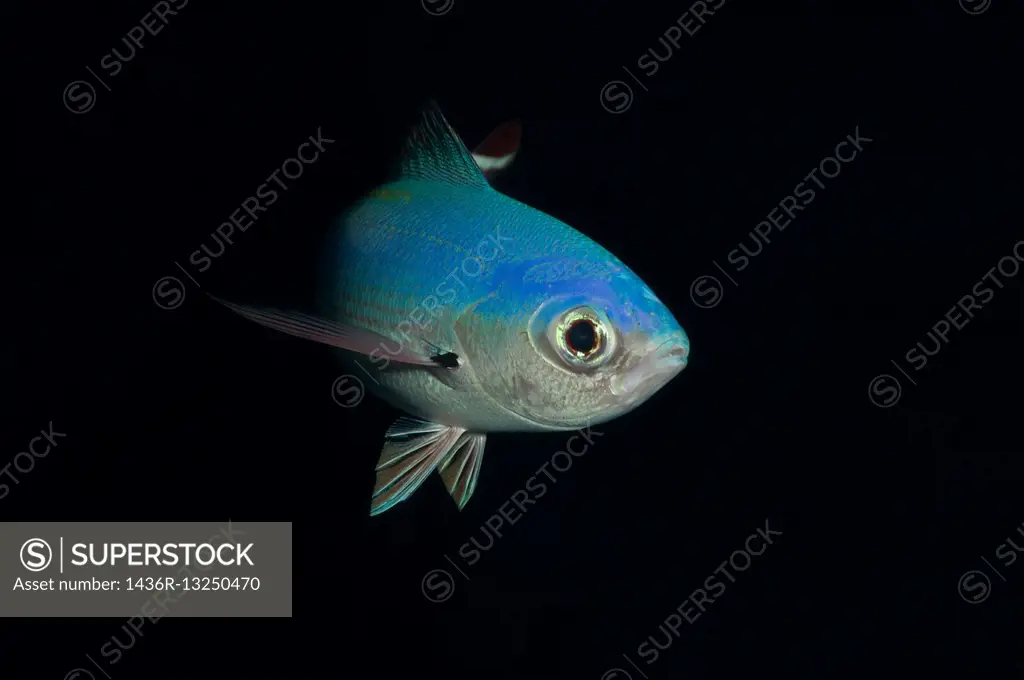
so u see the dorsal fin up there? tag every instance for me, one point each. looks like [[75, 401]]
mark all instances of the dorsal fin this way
[[433, 151]]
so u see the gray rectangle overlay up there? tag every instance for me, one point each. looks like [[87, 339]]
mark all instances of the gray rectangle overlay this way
[[146, 569]]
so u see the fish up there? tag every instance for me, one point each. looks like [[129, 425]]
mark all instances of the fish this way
[[477, 314]]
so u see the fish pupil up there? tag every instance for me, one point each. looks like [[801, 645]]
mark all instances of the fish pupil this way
[[581, 337]]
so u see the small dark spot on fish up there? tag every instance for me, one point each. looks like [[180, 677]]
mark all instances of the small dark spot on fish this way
[[447, 360]]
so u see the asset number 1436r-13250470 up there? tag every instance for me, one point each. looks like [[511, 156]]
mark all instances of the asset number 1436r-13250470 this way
[[194, 583]]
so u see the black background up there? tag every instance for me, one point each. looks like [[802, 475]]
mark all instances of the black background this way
[[194, 414]]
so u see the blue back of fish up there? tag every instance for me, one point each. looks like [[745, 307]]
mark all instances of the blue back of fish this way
[[414, 240]]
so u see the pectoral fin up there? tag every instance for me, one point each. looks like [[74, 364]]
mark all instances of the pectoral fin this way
[[462, 469], [412, 449], [331, 333]]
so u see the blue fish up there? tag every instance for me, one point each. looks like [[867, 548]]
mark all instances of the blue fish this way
[[475, 313]]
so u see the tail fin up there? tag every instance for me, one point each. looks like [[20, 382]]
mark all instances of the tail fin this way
[[499, 149]]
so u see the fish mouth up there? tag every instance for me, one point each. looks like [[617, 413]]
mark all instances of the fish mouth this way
[[663, 363]]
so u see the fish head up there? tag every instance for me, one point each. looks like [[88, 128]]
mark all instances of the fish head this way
[[566, 343]]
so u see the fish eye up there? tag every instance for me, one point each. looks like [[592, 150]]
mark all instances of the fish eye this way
[[583, 337]]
